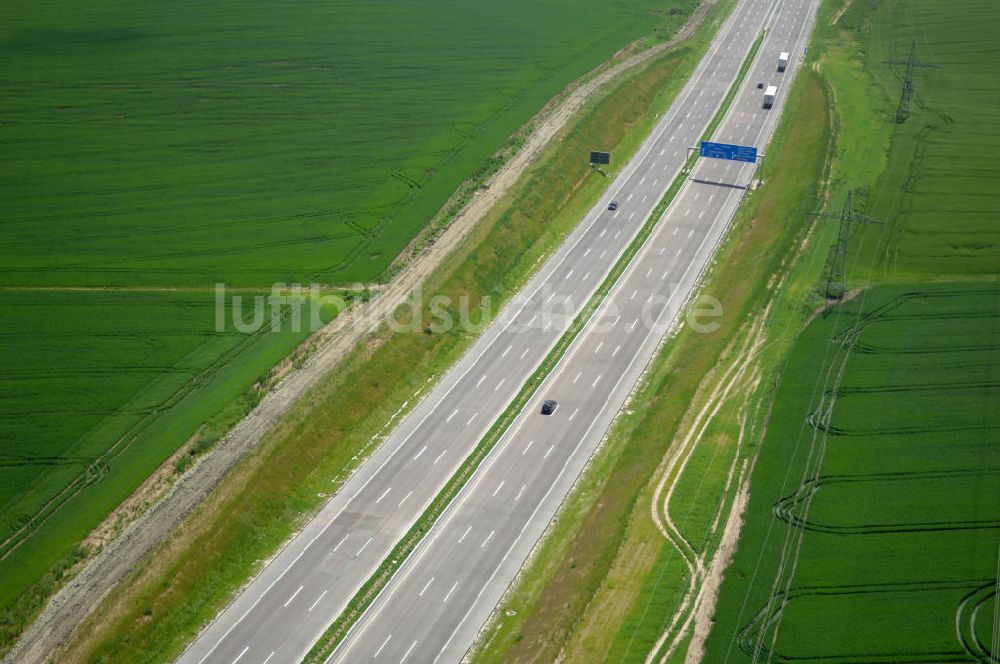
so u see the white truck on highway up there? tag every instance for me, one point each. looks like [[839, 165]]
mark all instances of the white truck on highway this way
[[769, 96], [783, 61]]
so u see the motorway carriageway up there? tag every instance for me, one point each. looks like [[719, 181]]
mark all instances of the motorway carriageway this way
[[435, 606], [283, 611]]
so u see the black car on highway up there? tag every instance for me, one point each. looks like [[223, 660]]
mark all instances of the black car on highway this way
[[549, 406]]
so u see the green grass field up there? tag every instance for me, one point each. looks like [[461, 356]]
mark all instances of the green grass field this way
[[873, 532], [159, 149]]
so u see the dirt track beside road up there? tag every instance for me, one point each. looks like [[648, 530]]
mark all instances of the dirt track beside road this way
[[74, 602]]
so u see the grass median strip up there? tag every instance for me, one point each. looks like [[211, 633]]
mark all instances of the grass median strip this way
[[405, 547]]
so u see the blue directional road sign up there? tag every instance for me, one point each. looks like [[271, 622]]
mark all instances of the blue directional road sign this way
[[727, 151]]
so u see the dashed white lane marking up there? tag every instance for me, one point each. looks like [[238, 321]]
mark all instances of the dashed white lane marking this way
[[603, 231], [422, 450], [631, 215], [243, 652], [342, 540], [450, 591], [455, 412], [294, 595], [615, 352], [548, 451], [467, 530], [499, 486], [426, 586], [408, 651], [502, 380], [604, 253], [629, 198], [524, 353], [575, 411], [634, 293], [701, 214], [596, 381], [599, 344], [527, 447], [643, 180], [381, 646], [313, 605], [644, 198], [552, 295], [520, 493], [506, 350], [617, 234], [577, 377], [530, 322], [569, 274], [439, 456], [662, 249], [472, 418], [384, 494], [649, 271], [587, 252], [679, 250], [479, 382], [488, 538], [632, 326], [690, 232], [585, 276], [675, 230], [405, 498], [269, 657]]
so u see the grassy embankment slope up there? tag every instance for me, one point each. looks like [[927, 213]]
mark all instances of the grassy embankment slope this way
[[606, 581], [872, 527], [157, 150], [314, 448]]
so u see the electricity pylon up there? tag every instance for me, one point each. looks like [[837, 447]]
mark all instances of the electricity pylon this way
[[903, 110], [836, 268]]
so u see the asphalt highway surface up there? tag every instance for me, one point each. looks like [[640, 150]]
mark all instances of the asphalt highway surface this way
[[435, 607], [436, 604]]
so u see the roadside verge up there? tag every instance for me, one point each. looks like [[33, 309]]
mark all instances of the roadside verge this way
[[325, 435]]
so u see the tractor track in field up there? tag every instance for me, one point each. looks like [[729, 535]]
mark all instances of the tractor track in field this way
[[176, 500], [741, 376]]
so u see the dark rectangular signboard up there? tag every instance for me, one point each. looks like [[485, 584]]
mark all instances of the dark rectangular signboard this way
[[727, 151], [600, 157]]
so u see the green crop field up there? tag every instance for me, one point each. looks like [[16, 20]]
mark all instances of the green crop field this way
[[874, 526], [873, 531], [152, 150], [257, 142], [97, 389]]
